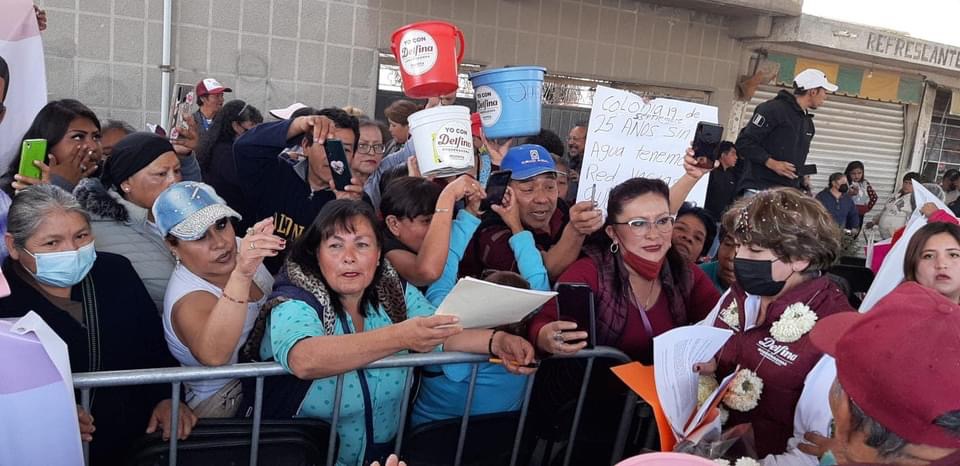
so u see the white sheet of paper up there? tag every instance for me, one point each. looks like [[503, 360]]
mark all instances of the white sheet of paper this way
[[481, 304], [891, 271], [629, 137], [674, 354]]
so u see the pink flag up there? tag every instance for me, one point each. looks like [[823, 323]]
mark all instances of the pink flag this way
[[21, 47]]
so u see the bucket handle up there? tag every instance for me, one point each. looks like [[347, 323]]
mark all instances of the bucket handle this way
[[463, 44]]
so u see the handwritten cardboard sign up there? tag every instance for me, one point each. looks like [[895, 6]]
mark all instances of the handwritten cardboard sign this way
[[630, 138]]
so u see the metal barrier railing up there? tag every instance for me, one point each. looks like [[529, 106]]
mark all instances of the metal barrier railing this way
[[176, 376]]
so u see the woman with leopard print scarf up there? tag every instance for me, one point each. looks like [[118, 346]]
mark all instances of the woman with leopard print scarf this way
[[337, 306]]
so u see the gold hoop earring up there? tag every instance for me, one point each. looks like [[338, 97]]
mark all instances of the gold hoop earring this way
[[614, 248]]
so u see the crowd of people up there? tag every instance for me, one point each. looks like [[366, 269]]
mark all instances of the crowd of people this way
[[232, 243]]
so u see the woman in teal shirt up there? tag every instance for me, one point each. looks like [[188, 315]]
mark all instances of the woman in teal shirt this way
[[338, 306]]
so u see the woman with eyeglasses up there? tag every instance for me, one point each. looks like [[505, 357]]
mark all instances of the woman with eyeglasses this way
[[215, 152], [369, 151], [641, 288], [641, 285]]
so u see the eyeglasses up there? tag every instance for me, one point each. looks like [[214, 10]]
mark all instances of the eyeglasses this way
[[642, 226], [370, 148]]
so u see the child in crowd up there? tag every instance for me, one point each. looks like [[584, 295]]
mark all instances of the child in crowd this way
[[418, 216], [444, 389]]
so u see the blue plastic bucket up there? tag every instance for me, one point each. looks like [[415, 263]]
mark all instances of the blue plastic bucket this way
[[508, 100]]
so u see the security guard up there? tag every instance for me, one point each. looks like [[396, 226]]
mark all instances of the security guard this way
[[777, 139]]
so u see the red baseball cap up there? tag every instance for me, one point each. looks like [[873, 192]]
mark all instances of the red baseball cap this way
[[900, 362], [209, 86]]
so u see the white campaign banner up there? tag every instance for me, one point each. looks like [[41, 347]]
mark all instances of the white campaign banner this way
[[22, 49], [37, 405], [629, 137]]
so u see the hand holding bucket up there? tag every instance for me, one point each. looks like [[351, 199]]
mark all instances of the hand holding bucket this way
[[428, 57]]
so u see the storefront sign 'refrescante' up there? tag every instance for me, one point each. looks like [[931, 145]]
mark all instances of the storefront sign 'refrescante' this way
[[913, 50]]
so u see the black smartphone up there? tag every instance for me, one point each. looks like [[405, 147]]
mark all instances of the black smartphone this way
[[575, 304], [807, 170], [496, 188], [705, 142], [339, 165]]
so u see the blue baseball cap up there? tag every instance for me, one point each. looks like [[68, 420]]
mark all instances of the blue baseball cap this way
[[527, 161], [188, 208]]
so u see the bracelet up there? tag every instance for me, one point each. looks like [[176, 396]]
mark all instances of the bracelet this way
[[229, 298], [490, 343], [440, 210]]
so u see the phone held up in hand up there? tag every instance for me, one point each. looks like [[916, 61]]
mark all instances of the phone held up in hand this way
[[705, 143], [496, 189], [183, 101], [339, 165], [575, 304], [32, 150]]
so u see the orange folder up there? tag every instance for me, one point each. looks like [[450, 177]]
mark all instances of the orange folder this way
[[640, 379]]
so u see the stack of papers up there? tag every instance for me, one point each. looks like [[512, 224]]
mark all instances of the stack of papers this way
[[670, 386], [481, 304]]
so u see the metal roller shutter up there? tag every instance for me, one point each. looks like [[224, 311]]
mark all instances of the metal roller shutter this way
[[851, 129]]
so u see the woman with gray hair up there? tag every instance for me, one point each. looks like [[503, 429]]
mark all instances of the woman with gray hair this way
[[98, 306]]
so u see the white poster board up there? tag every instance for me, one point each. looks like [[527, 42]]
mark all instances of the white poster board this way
[[37, 405], [21, 47], [629, 137]]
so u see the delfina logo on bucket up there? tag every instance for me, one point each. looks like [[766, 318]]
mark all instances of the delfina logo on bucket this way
[[418, 52], [489, 105], [453, 143]]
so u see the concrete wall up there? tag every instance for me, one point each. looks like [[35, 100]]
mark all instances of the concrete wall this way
[[324, 52]]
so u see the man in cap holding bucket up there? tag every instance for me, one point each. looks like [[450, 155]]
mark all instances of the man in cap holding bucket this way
[[557, 232], [896, 397]]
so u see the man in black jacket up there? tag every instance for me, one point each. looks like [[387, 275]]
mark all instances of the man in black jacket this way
[[777, 139]]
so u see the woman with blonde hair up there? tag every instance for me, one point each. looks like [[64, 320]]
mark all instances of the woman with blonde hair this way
[[786, 241]]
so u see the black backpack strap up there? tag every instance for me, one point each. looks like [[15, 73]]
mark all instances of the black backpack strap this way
[[283, 394]]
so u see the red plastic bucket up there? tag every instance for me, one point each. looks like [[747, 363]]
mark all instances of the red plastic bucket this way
[[428, 57]]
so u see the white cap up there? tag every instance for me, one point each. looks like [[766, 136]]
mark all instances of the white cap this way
[[812, 78], [285, 113]]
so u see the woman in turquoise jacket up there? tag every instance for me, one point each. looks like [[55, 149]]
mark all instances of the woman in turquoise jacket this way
[[338, 306]]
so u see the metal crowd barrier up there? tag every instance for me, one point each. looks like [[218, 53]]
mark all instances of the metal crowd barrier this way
[[176, 376]]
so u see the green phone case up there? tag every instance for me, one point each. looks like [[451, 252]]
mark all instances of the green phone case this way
[[31, 151]]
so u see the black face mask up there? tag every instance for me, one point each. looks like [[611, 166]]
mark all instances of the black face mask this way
[[756, 277], [843, 188]]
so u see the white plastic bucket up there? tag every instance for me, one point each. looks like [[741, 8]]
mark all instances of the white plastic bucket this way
[[442, 139]]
